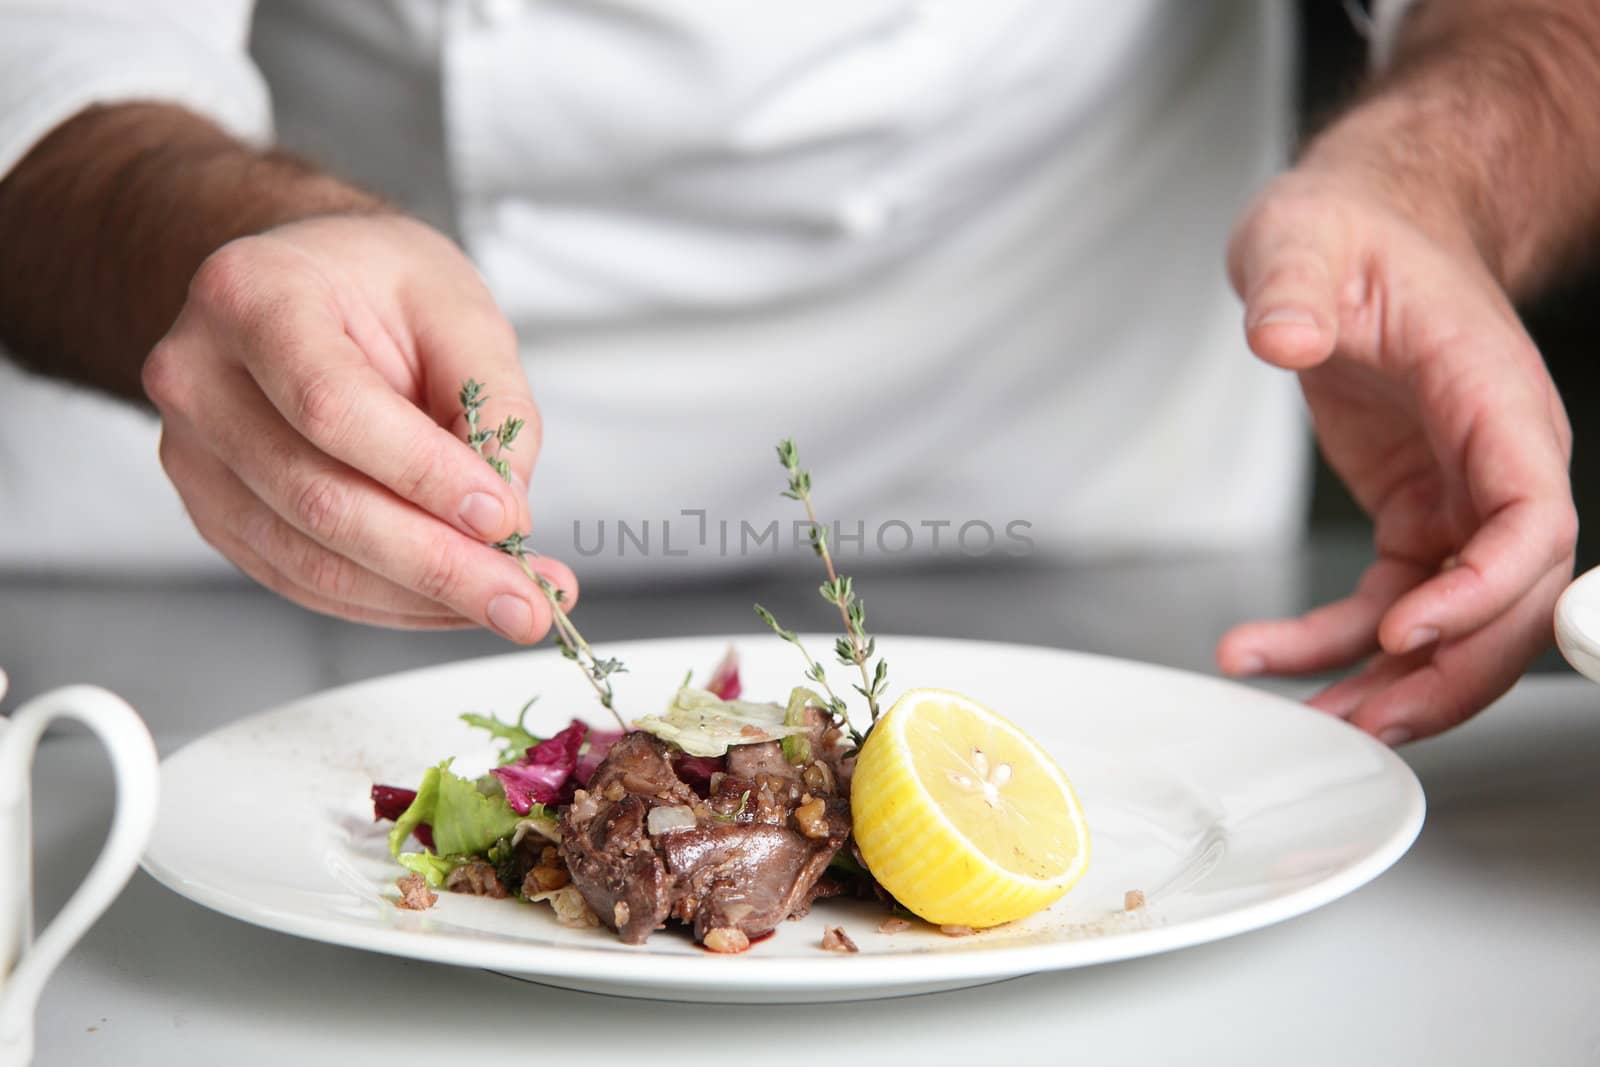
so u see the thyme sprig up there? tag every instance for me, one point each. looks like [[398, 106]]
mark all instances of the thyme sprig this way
[[733, 816], [472, 401], [856, 648], [814, 670], [598, 671]]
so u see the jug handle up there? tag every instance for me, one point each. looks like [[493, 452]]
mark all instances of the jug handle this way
[[136, 769]]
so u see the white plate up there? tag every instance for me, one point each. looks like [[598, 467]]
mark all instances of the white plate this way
[[1230, 808]]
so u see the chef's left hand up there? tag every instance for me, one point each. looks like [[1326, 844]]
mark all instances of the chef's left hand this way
[[1432, 404]]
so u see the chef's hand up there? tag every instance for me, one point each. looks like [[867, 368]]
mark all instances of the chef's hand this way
[[1431, 402], [310, 421]]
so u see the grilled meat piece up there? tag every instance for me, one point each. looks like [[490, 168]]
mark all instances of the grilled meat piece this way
[[610, 855], [642, 764], [753, 761], [751, 858], [824, 887], [616, 867], [749, 876]]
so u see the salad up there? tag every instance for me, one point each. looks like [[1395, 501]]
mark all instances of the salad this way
[[729, 815], [726, 815]]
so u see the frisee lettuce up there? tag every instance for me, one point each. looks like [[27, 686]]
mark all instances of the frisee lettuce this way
[[517, 739], [703, 724]]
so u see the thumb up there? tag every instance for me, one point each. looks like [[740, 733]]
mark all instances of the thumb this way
[[1284, 261]]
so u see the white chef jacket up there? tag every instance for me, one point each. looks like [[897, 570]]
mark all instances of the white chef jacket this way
[[968, 254]]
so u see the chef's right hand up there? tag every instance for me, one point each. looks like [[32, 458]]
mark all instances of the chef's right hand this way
[[311, 422]]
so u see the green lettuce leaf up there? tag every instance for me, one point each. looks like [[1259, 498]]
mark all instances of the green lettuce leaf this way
[[797, 747], [420, 811], [466, 820]]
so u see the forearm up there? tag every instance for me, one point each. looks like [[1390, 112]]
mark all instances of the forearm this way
[[103, 224], [1485, 127]]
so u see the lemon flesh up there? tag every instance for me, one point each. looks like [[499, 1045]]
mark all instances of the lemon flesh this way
[[961, 816]]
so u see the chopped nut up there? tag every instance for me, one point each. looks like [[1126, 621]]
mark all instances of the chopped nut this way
[[894, 925], [415, 894], [547, 878], [834, 939], [726, 939], [613, 791], [951, 930], [818, 777], [777, 785], [812, 817], [1133, 900], [584, 806], [620, 914]]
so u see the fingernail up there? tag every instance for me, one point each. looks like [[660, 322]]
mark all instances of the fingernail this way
[[1285, 317], [512, 616], [1251, 664], [483, 514], [1394, 735], [1422, 635]]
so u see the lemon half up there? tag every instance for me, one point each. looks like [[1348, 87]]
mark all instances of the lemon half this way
[[961, 816]]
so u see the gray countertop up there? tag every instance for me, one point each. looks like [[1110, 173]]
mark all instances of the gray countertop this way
[[192, 654], [1481, 946]]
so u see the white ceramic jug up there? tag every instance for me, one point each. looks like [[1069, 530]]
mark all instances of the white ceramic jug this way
[[26, 961], [1578, 624]]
